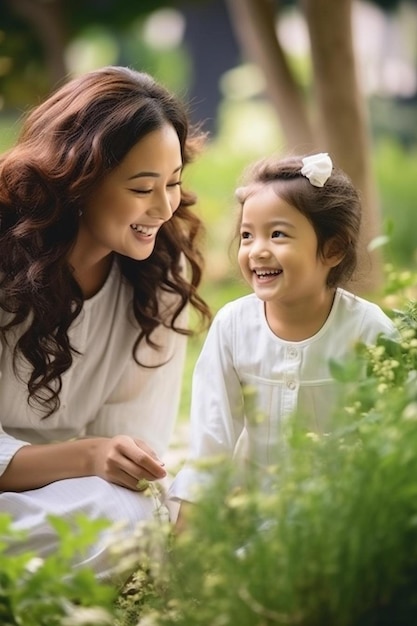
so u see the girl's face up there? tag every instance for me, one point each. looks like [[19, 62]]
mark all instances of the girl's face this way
[[278, 250], [130, 205]]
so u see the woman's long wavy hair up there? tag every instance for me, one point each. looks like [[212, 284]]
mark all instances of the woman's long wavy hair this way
[[66, 147]]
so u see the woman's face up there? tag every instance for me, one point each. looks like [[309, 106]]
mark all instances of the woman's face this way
[[130, 205]]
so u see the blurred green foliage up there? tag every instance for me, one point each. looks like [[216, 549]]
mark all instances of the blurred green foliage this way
[[87, 31], [49, 592], [327, 535], [396, 172]]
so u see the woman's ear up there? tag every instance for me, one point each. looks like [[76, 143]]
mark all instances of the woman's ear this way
[[333, 252]]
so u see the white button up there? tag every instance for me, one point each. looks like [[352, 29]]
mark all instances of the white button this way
[[292, 353], [291, 384]]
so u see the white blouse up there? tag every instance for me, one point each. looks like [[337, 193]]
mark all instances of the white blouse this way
[[105, 392], [249, 380]]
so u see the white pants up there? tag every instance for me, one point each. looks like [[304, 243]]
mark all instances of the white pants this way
[[92, 497]]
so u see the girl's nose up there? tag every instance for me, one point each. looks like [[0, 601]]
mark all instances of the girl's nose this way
[[259, 250]]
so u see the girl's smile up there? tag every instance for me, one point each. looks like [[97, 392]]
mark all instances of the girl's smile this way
[[266, 275]]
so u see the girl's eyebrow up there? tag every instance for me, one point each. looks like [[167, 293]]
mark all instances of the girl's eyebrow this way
[[271, 224], [152, 174]]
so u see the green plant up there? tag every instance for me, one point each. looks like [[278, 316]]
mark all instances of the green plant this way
[[49, 592], [326, 536]]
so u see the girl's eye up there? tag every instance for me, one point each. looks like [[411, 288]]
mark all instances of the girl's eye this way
[[176, 184], [245, 235], [278, 233]]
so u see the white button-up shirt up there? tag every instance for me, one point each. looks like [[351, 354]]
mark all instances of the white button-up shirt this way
[[249, 380]]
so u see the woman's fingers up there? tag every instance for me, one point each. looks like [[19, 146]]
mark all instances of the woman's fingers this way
[[142, 456], [128, 461]]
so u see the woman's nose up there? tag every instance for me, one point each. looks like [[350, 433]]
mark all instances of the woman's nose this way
[[162, 207]]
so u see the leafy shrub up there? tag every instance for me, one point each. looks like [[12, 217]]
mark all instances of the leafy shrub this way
[[328, 535], [49, 592]]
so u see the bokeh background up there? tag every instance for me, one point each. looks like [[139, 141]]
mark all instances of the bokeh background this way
[[263, 77]]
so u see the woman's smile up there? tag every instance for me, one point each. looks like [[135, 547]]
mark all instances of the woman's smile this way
[[131, 204], [145, 230], [145, 234]]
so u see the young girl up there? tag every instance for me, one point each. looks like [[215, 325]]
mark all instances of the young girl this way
[[267, 354], [100, 258]]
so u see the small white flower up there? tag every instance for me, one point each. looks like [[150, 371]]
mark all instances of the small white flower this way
[[85, 616], [410, 412], [148, 620], [312, 436], [34, 564]]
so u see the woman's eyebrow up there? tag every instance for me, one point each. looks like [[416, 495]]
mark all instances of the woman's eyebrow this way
[[152, 174]]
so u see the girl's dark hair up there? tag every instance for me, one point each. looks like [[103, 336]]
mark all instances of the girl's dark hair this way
[[333, 210], [66, 147]]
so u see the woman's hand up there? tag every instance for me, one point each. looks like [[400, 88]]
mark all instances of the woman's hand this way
[[124, 461], [121, 460]]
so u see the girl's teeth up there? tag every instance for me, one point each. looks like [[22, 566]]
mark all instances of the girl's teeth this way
[[269, 273]]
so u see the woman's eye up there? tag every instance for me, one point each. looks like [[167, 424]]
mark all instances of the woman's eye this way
[[278, 233], [142, 191], [178, 183]]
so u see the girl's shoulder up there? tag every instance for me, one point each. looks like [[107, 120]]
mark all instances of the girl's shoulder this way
[[241, 315], [351, 307], [352, 302], [242, 306]]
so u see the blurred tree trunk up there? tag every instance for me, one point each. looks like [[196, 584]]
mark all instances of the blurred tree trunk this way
[[336, 120], [48, 23], [254, 24], [342, 120]]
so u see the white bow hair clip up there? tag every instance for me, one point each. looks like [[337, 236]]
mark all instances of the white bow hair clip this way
[[317, 168]]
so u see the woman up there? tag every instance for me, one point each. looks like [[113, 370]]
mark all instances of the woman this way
[[99, 260]]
